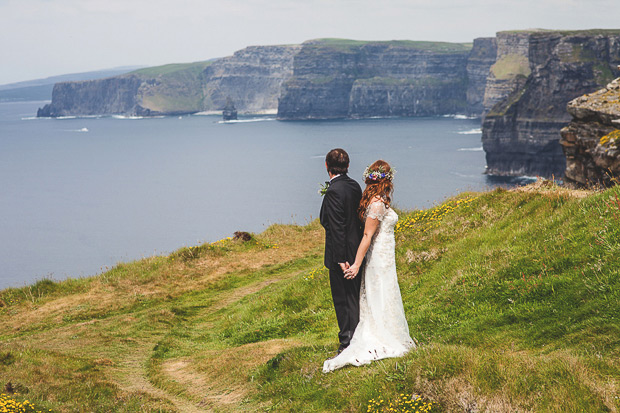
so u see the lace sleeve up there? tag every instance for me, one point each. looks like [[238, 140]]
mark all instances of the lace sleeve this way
[[376, 210]]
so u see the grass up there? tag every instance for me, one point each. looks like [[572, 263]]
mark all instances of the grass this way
[[511, 65], [437, 47], [513, 297], [587, 32], [173, 68], [172, 88]]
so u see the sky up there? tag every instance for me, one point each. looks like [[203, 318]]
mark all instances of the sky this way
[[41, 38]]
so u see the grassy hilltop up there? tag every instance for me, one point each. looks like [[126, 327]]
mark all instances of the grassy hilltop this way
[[513, 296]]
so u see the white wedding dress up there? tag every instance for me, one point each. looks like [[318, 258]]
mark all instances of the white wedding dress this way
[[382, 331]]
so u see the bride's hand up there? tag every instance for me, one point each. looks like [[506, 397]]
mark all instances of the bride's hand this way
[[351, 272]]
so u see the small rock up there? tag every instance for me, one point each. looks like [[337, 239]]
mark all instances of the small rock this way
[[242, 235]]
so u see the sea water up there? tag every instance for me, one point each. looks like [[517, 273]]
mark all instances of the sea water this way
[[80, 194]]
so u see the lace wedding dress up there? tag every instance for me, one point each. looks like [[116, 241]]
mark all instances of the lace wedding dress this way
[[382, 331]]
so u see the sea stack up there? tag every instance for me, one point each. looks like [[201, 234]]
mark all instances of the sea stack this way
[[229, 112]]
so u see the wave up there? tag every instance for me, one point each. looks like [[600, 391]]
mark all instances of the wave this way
[[459, 116], [470, 132], [127, 117], [460, 175], [208, 113], [246, 120], [78, 130], [476, 149], [132, 117]]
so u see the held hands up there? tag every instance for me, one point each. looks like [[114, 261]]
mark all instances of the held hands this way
[[351, 271]]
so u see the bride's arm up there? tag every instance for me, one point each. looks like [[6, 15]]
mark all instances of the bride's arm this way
[[370, 227]]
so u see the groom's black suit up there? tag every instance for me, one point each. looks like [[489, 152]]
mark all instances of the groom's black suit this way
[[343, 233]]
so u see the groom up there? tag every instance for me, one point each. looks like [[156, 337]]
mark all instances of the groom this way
[[343, 233]]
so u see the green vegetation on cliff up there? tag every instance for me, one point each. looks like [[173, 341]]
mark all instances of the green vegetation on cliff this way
[[513, 297], [436, 47], [172, 88], [173, 69], [510, 66]]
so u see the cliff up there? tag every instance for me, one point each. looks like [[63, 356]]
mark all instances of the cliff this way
[[251, 78], [591, 141], [536, 74], [337, 78], [162, 90], [483, 55]]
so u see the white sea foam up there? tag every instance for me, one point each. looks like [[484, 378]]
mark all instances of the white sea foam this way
[[460, 175], [476, 149], [35, 118], [80, 130], [65, 117], [127, 117], [208, 113], [246, 120], [130, 117], [470, 132], [464, 117], [459, 116]]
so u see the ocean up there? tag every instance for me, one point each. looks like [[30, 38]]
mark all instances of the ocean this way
[[82, 194]]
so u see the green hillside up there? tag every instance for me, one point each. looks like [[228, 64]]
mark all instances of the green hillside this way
[[513, 297], [172, 88]]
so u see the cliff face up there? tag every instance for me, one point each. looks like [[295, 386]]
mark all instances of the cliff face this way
[[591, 141], [251, 78], [509, 69], [335, 78], [165, 90], [521, 131], [111, 95], [483, 55]]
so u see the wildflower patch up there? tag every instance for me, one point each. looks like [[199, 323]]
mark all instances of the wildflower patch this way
[[423, 221], [403, 404]]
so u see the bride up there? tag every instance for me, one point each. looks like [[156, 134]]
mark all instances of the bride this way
[[382, 331]]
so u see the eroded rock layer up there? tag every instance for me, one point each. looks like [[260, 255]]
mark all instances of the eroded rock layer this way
[[335, 78], [539, 72], [591, 141]]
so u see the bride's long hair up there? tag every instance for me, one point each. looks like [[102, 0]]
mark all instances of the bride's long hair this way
[[378, 179]]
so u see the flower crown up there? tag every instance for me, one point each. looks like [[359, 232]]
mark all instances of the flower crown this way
[[378, 173]]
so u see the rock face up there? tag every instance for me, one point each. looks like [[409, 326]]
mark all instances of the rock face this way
[[479, 62], [591, 142], [335, 78], [112, 95], [251, 77], [537, 73], [169, 90], [229, 112]]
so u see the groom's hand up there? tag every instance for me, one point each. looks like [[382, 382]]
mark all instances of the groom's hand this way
[[344, 266]]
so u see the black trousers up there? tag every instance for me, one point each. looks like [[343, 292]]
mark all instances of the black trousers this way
[[346, 296]]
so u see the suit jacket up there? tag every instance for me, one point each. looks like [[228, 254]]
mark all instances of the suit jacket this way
[[343, 228]]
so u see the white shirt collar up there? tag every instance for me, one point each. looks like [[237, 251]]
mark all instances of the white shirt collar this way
[[334, 177]]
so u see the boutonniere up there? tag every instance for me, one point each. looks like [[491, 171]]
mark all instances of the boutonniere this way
[[323, 188]]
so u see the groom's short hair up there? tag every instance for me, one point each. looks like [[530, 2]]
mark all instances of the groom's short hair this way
[[337, 161]]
